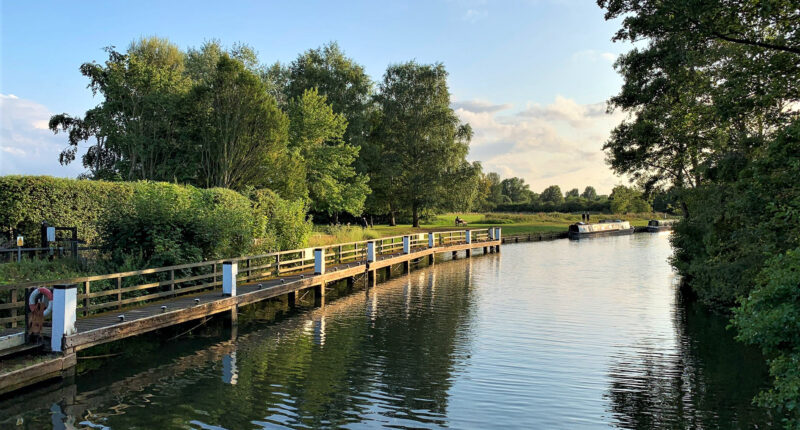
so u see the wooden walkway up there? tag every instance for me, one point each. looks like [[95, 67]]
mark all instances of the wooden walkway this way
[[259, 281]]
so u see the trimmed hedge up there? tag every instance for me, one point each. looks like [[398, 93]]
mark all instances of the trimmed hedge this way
[[153, 223], [26, 201]]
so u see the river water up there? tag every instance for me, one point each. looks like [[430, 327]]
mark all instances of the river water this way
[[561, 334]]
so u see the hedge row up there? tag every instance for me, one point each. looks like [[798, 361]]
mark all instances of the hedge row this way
[[568, 206], [155, 223]]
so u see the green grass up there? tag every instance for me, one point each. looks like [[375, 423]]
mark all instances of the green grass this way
[[512, 224]]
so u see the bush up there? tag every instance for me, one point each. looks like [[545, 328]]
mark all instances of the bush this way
[[151, 224]]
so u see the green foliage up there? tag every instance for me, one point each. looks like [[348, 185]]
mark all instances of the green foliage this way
[[283, 224], [770, 318], [316, 134], [36, 269], [589, 193], [420, 143], [626, 199], [552, 194], [238, 130], [516, 189], [27, 201]]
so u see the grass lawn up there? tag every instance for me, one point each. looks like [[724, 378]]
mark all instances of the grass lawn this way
[[511, 223]]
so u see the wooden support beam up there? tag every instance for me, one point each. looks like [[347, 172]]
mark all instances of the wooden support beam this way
[[291, 298], [319, 295]]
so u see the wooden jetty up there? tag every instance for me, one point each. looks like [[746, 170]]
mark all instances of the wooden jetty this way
[[92, 310]]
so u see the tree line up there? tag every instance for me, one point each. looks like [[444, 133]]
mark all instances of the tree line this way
[[712, 91], [317, 129]]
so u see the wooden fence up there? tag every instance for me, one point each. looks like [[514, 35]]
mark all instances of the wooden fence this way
[[103, 293]]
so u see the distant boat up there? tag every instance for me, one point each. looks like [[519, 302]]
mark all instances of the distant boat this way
[[603, 228], [656, 225]]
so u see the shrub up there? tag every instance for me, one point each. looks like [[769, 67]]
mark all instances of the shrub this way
[[282, 223]]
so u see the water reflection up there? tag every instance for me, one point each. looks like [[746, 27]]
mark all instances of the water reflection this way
[[544, 335]]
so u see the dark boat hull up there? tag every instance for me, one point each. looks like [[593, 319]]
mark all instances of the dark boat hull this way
[[573, 235], [656, 229]]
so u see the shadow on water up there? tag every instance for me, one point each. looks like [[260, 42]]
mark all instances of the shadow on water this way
[[709, 381]]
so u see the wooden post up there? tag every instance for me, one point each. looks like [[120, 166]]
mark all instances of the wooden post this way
[[172, 280], [292, 299], [371, 281], [248, 269], [431, 259], [430, 240], [86, 298], [455, 254], [350, 283], [13, 310], [406, 244], [277, 265], [319, 295], [407, 265], [370, 251], [65, 309], [339, 260], [119, 292], [498, 236]]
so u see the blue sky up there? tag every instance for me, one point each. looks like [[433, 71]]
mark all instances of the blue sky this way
[[531, 77]]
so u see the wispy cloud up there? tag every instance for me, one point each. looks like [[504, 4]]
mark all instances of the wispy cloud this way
[[478, 105], [26, 144], [559, 143]]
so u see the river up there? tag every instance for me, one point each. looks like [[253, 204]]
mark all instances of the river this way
[[562, 334]]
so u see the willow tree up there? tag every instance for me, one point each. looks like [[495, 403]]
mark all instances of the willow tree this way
[[422, 142]]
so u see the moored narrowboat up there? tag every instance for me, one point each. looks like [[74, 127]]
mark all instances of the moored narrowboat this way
[[656, 225], [603, 228]]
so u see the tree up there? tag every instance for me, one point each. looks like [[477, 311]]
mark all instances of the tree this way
[[344, 82], [552, 194], [239, 131], [589, 193], [625, 200], [516, 189], [573, 193], [315, 136], [137, 126], [423, 144]]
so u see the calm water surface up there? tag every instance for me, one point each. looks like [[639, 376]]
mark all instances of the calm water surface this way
[[561, 334]]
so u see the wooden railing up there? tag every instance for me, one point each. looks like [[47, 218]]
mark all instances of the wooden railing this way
[[102, 293]]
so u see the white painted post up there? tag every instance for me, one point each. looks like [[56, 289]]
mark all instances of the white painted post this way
[[229, 271], [406, 244], [468, 235], [490, 231], [65, 311], [371, 251], [497, 233], [430, 240], [319, 261]]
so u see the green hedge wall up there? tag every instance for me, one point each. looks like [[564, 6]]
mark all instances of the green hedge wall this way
[[153, 223]]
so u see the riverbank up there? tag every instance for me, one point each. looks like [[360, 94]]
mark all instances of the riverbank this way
[[513, 224]]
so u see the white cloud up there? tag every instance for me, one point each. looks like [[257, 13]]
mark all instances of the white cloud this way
[[26, 144], [478, 105], [593, 56], [559, 143]]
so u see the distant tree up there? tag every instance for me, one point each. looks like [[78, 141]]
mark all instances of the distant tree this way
[[516, 189], [552, 194], [589, 193], [495, 196], [315, 135], [628, 200], [422, 142], [573, 193]]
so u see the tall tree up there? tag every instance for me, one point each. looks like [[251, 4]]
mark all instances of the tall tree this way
[[315, 135], [573, 193], [240, 132], [423, 142], [137, 125]]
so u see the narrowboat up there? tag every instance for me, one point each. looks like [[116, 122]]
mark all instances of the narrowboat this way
[[603, 228], [656, 225]]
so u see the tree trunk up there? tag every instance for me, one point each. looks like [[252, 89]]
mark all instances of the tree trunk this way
[[685, 209], [392, 222], [415, 212], [336, 218]]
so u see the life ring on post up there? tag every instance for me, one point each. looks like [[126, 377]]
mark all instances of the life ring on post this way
[[34, 298]]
